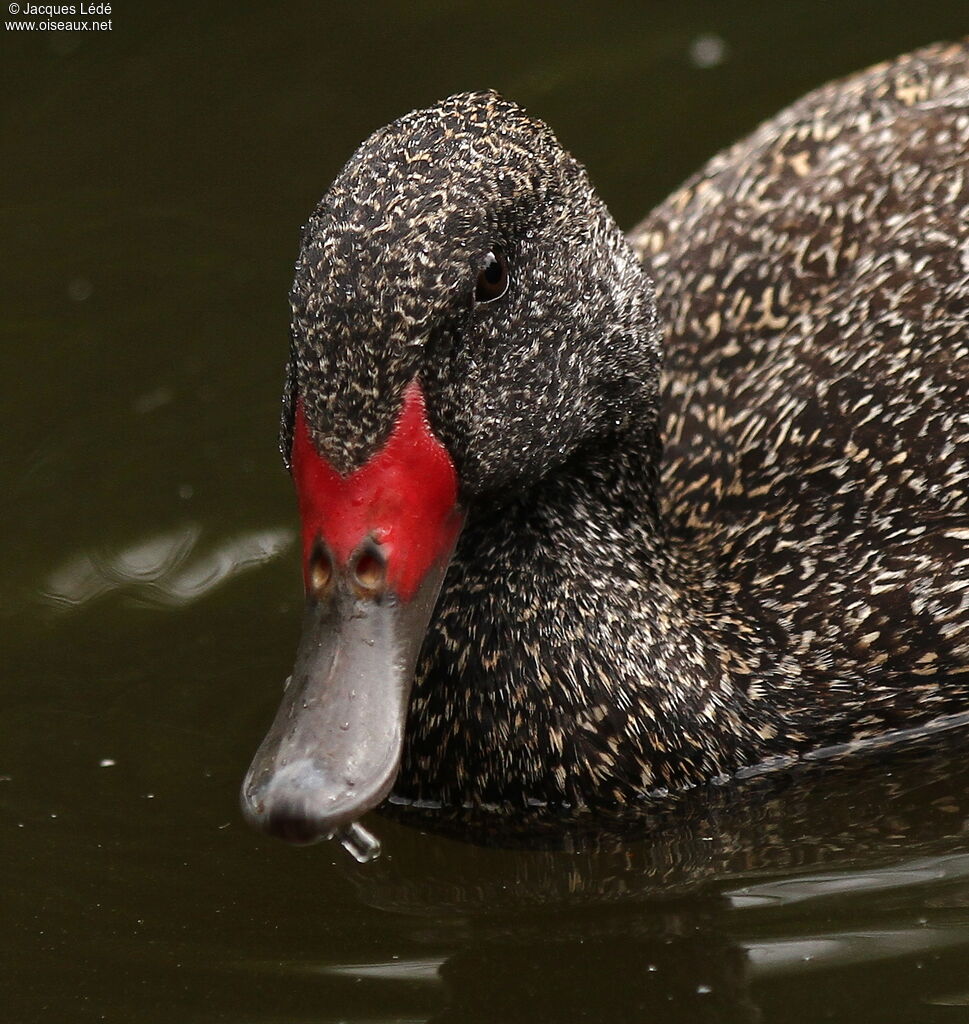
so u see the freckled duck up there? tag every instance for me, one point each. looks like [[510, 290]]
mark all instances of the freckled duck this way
[[539, 573]]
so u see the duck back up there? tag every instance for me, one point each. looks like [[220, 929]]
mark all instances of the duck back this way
[[814, 285]]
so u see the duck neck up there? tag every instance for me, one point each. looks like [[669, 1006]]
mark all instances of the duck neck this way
[[573, 650], [606, 494]]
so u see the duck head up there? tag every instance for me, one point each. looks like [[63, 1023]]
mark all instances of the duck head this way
[[466, 315]]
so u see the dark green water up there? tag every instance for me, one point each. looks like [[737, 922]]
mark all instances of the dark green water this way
[[154, 179]]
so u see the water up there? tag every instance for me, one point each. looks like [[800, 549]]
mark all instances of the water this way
[[154, 182]]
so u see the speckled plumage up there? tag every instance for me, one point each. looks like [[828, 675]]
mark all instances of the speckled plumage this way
[[792, 570]]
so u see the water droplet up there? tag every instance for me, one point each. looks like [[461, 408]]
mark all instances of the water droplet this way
[[362, 845]]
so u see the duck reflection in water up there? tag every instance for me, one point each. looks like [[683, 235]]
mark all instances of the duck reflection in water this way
[[703, 910]]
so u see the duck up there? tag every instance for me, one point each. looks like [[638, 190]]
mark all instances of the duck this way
[[590, 517]]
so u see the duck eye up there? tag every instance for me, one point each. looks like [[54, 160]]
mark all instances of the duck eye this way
[[492, 280]]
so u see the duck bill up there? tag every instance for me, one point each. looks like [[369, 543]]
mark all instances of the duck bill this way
[[334, 749], [376, 546]]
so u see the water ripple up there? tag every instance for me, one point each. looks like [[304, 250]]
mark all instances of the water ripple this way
[[172, 568], [797, 889], [840, 949]]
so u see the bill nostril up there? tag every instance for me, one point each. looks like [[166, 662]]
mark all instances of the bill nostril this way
[[369, 568], [320, 572], [365, 570], [369, 571]]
